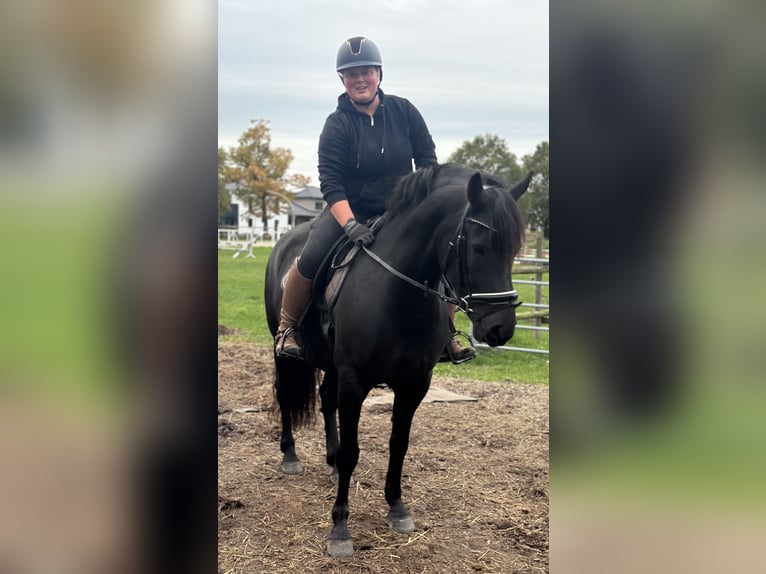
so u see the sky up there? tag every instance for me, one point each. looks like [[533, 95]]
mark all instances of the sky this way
[[471, 68]]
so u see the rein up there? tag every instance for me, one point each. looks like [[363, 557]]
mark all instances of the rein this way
[[423, 286], [501, 299]]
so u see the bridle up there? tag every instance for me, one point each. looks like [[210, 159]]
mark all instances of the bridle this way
[[497, 301]]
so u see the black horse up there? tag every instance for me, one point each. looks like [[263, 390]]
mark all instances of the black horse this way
[[389, 324]]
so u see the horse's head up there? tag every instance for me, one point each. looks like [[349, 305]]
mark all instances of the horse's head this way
[[489, 238]]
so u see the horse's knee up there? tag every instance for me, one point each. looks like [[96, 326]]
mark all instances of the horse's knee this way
[[332, 452], [346, 458]]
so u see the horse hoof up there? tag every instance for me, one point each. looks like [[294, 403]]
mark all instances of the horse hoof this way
[[401, 525], [292, 467], [334, 477], [340, 548]]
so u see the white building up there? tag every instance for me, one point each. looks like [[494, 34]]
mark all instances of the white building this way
[[238, 221]]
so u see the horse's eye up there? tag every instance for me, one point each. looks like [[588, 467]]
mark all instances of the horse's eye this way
[[478, 249]]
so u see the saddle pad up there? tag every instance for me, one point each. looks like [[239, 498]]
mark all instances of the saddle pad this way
[[339, 274], [336, 281]]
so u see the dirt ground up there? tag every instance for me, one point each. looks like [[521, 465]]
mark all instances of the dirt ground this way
[[475, 481]]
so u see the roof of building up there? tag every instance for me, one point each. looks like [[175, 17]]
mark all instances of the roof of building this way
[[300, 211], [308, 192]]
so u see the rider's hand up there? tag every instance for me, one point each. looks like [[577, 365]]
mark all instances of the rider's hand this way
[[357, 232]]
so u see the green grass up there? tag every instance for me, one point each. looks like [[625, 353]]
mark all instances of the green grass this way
[[241, 306], [240, 295]]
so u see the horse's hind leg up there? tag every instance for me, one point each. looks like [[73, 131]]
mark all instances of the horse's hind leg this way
[[294, 390], [406, 402], [290, 462]]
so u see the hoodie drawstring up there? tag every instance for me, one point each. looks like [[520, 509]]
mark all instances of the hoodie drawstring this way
[[381, 107]]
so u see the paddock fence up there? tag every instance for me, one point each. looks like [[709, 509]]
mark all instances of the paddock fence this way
[[243, 241]]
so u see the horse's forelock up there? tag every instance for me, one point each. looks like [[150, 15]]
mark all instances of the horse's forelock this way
[[506, 219]]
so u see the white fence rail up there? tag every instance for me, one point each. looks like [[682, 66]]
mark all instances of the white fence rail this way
[[238, 241]]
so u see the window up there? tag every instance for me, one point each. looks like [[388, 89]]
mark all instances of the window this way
[[230, 218]]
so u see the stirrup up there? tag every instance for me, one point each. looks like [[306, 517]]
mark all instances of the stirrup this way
[[466, 355], [279, 345]]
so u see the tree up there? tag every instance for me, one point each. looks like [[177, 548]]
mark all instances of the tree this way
[[224, 197], [534, 203], [259, 172], [489, 154]]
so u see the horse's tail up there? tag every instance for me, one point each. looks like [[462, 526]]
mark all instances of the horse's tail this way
[[295, 385]]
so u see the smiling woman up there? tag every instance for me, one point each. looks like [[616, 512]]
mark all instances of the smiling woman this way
[[367, 143], [362, 87]]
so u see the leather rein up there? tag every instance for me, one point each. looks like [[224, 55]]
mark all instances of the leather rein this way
[[500, 299]]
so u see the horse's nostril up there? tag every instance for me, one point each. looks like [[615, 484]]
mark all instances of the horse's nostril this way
[[500, 334]]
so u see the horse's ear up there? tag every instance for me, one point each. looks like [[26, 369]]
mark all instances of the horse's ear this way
[[518, 190], [475, 187]]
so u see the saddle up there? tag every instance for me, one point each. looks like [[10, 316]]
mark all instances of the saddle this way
[[331, 276]]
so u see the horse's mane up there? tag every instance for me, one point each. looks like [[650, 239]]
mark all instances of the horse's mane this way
[[412, 189]]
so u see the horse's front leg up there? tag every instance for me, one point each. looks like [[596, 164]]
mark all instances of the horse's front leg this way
[[406, 402], [350, 399]]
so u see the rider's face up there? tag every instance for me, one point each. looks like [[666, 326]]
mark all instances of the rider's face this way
[[361, 83]]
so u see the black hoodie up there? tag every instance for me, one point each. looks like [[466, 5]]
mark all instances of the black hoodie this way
[[360, 158]]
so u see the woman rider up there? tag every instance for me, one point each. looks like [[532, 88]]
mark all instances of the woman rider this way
[[367, 143]]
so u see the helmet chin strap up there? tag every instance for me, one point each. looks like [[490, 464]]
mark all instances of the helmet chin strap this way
[[367, 103]]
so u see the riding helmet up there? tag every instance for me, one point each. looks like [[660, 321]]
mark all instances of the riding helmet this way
[[357, 51]]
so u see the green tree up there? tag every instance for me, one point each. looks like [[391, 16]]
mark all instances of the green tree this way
[[224, 197], [534, 203], [489, 153], [259, 172]]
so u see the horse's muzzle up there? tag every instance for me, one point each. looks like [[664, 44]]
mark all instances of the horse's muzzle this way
[[496, 329]]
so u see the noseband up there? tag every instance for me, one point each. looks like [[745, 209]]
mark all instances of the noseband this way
[[497, 301]]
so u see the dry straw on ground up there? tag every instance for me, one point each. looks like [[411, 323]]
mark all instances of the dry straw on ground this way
[[475, 480]]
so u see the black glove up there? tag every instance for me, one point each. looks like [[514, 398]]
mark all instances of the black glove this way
[[357, 232]]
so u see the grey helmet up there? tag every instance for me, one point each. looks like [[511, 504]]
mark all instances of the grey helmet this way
[[358, 51]]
